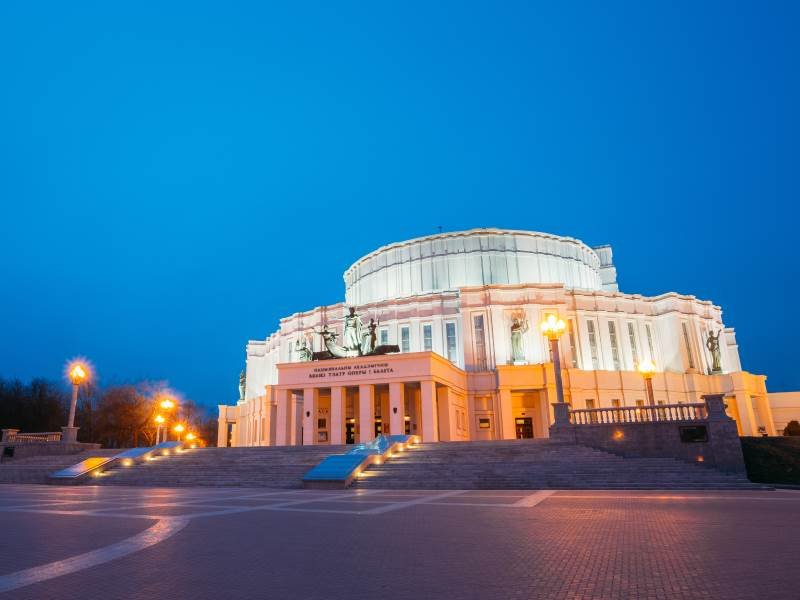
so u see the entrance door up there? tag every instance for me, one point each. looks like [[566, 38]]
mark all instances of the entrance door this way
[[524, 426], [378, 427], [350, 433]]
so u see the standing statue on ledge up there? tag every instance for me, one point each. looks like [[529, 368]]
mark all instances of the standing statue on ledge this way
[[370, 338], [518, 327], [712, 343], [353, 331], [242, 385], [302, 349]]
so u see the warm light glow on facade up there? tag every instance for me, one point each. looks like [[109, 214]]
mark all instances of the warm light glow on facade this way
[[553, 327]]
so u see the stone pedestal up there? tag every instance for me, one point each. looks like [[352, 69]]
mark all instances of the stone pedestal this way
[[561, 429], [8, 435], [69, 435]]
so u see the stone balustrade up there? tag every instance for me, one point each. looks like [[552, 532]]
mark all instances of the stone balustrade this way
[[639, 414], [13, 436]]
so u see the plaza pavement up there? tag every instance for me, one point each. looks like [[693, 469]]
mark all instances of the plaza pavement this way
[[126, 542]]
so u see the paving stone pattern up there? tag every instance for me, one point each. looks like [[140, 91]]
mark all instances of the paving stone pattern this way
[[400, 544]]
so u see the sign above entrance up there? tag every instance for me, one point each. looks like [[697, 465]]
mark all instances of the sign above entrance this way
[[351, 370], [411, 367]]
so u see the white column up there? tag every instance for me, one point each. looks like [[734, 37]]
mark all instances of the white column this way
[[282, 417], [222, 428], [747, 418], [446, 425], [366, 413], [765, 410], [430, 424], [266, 415], [505, 428], [295, 422], [337, 415], [310, 410], [397, 409]]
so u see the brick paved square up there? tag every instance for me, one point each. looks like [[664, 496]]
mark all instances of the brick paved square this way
[[566, 545]]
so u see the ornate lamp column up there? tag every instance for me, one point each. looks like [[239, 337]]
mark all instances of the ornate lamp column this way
[[159, 422], [167, 404], [648, 368], [78, 374], [552, 327]]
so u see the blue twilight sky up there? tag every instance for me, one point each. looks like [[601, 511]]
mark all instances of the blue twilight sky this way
[[175, 177]]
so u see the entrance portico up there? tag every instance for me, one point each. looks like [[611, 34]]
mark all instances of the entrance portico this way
[[418, 393]]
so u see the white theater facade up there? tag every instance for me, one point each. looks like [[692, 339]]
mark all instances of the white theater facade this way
[[464, 310]]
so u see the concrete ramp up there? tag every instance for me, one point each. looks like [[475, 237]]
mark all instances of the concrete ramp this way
[[98, 466]]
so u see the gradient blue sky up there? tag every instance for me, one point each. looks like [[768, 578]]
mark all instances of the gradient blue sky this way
[[175, 177]]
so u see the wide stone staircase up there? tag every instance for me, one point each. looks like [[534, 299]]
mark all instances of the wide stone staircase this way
[[537, 464], [35, 469], [274, 467]]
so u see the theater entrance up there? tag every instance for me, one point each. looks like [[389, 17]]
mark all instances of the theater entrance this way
[[524, 427], [350, 432]]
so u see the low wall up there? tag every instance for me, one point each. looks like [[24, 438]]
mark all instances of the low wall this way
[[719, 447], [29, 449]]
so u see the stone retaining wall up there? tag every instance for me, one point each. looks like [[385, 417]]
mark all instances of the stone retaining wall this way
[[721, 449]]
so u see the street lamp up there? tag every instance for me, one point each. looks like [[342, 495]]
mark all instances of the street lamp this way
[[159, 421], [179, 430], [648, 368], [78, 373], [167, 403], [552, 327]]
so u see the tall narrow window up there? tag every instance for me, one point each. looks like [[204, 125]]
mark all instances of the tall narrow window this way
[[450, 335], [427, 337], [405, 339], [480, 342], [632, 340], [689, 354], [384, 336], [650, 341], [593, 345], [612, 334], [573, 349]]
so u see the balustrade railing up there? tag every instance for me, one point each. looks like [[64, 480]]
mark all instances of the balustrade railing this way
[[11, 436], [639, 414]]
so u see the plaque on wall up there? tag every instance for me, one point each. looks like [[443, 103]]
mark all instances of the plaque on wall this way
[[693, 434]]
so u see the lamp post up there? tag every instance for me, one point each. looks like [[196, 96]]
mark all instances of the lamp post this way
[[159, 422], [167, 405], [552, 327], [178, 429], [78, 374], [648, 368]]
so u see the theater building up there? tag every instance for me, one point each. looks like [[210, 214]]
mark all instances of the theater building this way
[[463, 310]]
